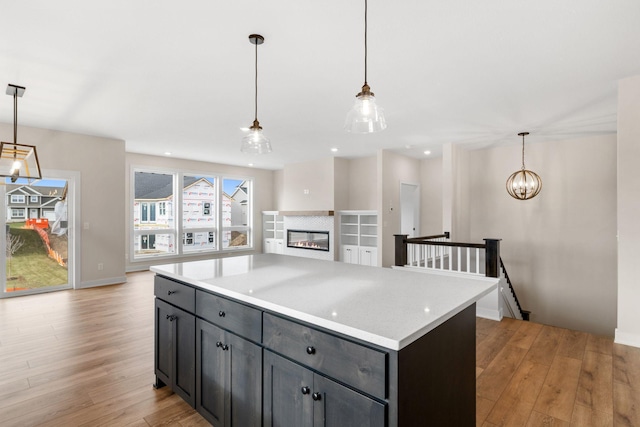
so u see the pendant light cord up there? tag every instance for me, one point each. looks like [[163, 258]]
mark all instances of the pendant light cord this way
[[365, 42], [523, 152], [15, 116], [256, 84]]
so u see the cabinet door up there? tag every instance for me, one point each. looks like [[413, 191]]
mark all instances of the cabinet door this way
[[280, 247], [244, 365], [350, 254], [175, 349], [369, 256], [338, 406], [163, 342], [269, 246], [287, 393], [229, 377], [211, 380]]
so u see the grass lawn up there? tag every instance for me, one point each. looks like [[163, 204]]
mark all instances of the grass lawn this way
[[30, 267]]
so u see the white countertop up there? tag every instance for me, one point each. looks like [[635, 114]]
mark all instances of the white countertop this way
[[387, 307]]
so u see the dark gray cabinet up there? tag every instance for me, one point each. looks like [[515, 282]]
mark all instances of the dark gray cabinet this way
[[175, 350], [296, 396], [244, 366], [228, 377]]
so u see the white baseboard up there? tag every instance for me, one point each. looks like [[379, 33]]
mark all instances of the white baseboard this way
[[486, 313], [102, 282], [627, 338]]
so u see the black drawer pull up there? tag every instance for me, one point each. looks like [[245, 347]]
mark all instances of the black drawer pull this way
[[305, 390], [221, 313], [316, 396], [171, 292], [311, 350]]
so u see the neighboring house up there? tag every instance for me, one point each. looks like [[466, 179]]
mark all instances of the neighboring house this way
[[27, 202], [239, 205]]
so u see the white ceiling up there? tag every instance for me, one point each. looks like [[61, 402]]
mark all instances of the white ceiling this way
[[178, 76]]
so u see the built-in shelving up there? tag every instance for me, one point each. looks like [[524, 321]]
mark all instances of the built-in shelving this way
[[273, 232], [359, 237]]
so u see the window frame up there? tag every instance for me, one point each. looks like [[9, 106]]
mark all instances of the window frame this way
[[177, 231], [33, 199], [18, 198]]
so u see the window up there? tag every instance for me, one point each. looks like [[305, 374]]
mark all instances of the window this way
[[213, 209], [33, 199], [235, 213], [17, 213], [199, 196], [154, 235], [17, 198]]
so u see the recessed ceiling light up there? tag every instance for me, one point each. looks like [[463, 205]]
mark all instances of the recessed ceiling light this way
[[334, 149], [250, 164], [167, 153], [427, 152], [244, 129]]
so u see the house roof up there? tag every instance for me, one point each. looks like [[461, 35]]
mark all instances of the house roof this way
[[34, 190], [156, 186]]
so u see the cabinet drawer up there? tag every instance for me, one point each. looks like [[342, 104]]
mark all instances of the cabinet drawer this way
[[175, 293], [359, 366], [238, 318]]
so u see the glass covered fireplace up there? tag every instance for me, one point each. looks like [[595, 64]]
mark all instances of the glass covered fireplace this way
[[305, 239]]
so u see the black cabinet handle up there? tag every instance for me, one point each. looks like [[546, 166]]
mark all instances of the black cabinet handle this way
[[218, 344], [305, 390], [225, 347], [311, 350], [171, 292], [171, 317], [316, 396], [221, 313]]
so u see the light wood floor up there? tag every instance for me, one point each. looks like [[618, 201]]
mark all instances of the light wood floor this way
[[76, 358]]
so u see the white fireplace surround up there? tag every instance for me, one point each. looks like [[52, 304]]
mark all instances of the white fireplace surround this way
[[314, 223]]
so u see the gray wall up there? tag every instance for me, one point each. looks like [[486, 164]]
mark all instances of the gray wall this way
[[628, 331], [560, 247], [100, 162]]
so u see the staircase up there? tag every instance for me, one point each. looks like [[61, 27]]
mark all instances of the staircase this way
[[509, 296]]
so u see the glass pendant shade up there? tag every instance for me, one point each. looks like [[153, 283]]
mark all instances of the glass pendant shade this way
[[365, 116], [524, 184], [255, 142]]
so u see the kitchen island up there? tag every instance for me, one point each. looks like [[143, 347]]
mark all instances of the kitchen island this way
[[277, 340]]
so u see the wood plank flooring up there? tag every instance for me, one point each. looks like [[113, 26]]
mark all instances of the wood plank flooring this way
[[85, 358]]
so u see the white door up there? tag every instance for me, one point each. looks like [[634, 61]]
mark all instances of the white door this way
[[410, 209]]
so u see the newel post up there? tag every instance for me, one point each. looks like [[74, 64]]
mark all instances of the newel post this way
[[401, 249], [492, 257]]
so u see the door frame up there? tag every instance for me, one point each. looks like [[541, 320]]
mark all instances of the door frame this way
[[73, 232]]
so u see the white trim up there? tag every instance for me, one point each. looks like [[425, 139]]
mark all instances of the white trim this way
[[102, 282], [627, 338]]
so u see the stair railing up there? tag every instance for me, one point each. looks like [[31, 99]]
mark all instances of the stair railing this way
[[438, 253]]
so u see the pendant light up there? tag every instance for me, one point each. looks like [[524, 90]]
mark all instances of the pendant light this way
[[18, 160], [365, 116], [255, 142], [524, 184]]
